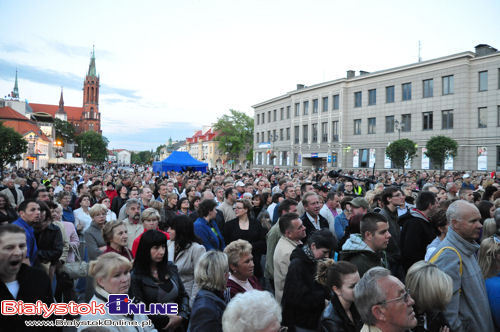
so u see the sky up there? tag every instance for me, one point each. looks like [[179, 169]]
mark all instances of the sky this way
[[169, 67]]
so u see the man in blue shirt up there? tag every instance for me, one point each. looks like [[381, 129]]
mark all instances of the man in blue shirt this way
[[29, 212]]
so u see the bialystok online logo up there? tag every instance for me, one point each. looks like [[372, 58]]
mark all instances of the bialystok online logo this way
[[118, 304]]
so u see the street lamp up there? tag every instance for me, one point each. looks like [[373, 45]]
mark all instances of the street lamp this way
[[398, 128], [58, 149]]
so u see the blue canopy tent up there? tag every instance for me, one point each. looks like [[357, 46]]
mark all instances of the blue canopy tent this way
[[179, 162]]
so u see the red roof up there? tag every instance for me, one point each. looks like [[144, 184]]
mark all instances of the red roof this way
[[9, 113], [24, 127], [209, 135], [74, 113]]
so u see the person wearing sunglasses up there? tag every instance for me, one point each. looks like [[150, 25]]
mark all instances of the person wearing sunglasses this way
[[383, 302]]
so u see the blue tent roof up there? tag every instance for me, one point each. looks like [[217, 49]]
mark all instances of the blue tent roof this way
[[179, 161]]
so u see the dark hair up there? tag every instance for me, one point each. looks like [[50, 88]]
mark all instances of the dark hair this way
[[329, 273], [285, 221], [191, 203], [425, 199], [323, 238], [205, 207], [346, 200], [45, 208], [331, 195], [265, 196], [10, 228], [387, 193], [369, 223], [184, 233], [488, 192], [484, 208], [355, 223], [7, 202], [285, 205], [303, 187], [142, 261], [41, 189], [276, 197], [24, 204], [79, 187], [228, 192], [179, 202], [438, 219]]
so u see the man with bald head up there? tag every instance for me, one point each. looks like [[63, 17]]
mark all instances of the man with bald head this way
[[456, 255]]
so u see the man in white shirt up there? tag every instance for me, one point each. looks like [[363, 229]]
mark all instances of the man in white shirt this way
[[331, 209]]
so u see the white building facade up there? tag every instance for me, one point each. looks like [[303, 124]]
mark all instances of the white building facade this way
[[349, 122]]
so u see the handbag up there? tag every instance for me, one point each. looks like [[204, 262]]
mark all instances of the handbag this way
[[77, 269]]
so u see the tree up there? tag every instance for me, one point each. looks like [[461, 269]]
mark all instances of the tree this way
[[92, 146], [65, 131], [12, 147], [236, 134], [401, 151], [141, 157], [440, 148]]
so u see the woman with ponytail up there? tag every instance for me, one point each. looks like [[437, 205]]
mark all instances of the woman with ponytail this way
[[340, 315]]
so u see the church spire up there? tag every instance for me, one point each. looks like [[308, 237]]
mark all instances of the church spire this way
[[15, 92], [92, 70], [61, 103]]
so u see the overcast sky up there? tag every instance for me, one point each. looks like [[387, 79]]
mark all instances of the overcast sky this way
[[169, 67]]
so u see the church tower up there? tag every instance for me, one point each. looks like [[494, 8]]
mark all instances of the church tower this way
[[61, 114], [91, 118], [15, 92]]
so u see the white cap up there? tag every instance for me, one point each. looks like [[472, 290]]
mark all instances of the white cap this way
[[240, 184], [466, 175]]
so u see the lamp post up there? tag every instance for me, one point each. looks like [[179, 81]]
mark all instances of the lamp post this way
[[58, 150], [398, 128]]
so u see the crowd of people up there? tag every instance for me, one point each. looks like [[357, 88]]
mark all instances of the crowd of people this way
[[256, 250]]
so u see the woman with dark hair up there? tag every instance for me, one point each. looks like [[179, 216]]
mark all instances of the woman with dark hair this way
[[7, 212], [155, 280], [187, 250], [303, 298], [206, 228], [488, 193], [341, 313], [487, 210], [183, 207], [120, 200], [245, 228], [194, 203], [171, 206], [257, 204]]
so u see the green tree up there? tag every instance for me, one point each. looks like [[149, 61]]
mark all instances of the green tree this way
[[65, 131], [12, 147], [92, 146], [439, 148], [401, 151], [141, 157], [236, 134]]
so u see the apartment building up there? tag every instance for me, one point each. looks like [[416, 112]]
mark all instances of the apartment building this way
[[349, 122]]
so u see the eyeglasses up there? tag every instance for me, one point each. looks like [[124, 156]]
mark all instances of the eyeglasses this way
[[405, 297]]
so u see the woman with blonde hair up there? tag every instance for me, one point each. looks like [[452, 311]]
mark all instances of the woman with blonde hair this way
[[432, 290], [241, 267], [489, 261], [111, 273], [210, 275]]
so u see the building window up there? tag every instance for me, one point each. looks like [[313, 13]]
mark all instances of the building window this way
[[269, 136], [275, 136], [389, 124], [372, 123], [389, 94], [262, 139], [325, 104], [357, 99], [428, 88], [258, 119], [287, 134], [372, 97], [315, 106], [482, 117], [281, 134], [406, 91], [483, 80], [296, 134], [257, 138], [305, 133], [357, 127], [314, 133], [282, 113], [447, 119], [335, 131], [427, 121], [498, 116], [269, 116], [406, 122], [306, 107], [263, 118], [288, 112], [324, 132], [274, 115], [297, 109], [448, 85], [336, 100]]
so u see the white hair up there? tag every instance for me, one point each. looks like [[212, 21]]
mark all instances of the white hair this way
[[456, 210], [251, 311]]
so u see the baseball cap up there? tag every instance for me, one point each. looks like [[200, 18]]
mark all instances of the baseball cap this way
[[360, 202], [466, 175], [240, 184]]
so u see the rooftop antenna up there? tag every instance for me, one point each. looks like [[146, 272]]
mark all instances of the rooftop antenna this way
[[419, 49]]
